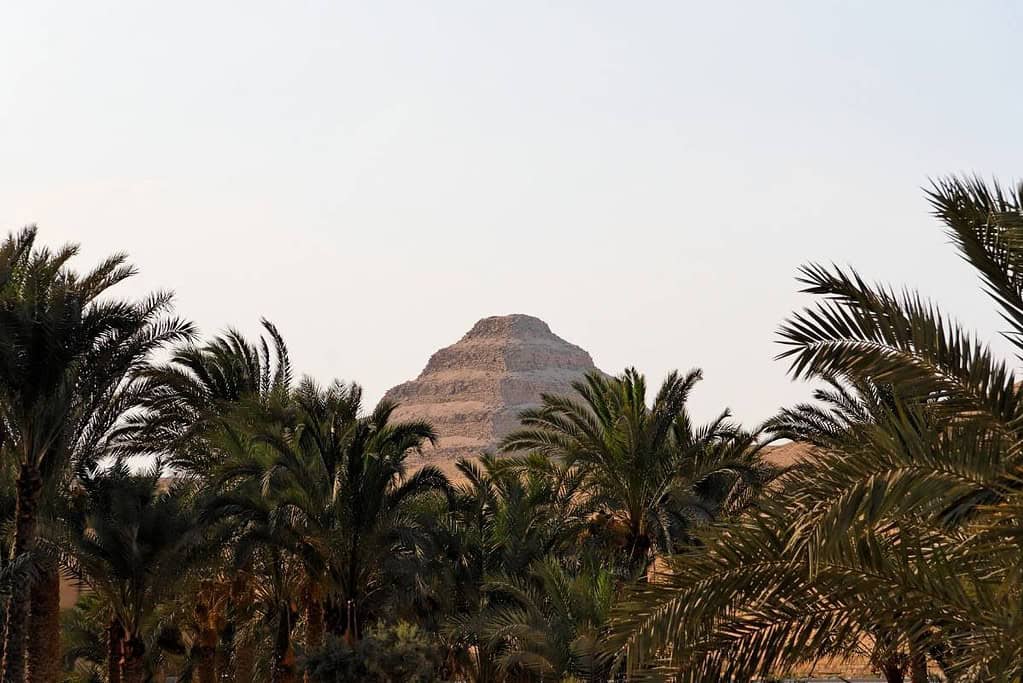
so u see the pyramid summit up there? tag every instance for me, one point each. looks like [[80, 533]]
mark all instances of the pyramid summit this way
[[473, 391]]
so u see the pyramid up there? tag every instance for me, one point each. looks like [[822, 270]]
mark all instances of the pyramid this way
[[473, 391]]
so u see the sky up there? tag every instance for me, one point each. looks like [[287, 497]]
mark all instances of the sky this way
[[376, 176]]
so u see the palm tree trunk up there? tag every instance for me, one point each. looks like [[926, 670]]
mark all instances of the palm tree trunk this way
[[244, 662], [44, 627], [313, 625], [225, 653], [115, 650], [333, 617], [132, 664], [206, 647], [282, 664], [206, 656], [351, 615], [917, 665], [893, 671], [29, 485], [638, 545]]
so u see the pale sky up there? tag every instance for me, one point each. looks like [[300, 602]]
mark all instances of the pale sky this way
[[376, 176]]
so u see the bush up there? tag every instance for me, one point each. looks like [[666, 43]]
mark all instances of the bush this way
[[387, 654]]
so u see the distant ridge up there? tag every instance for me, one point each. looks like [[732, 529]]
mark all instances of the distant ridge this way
[[473, 390]]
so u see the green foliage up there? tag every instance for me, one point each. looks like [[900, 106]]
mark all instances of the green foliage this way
[[552, 620], [295, 520], [653, 474], [309, 476], [83, 638], [70, 356], [899, 534], [507, 517], [192, 393], [387, 654], [130, 540]]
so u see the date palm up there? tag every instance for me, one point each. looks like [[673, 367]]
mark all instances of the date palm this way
[[191, 393], [654, 473], [510, 512], [130, 541], [262, 544], [69, 363], [322, 491], [186, 416], [551, 621], [356, 491], [904, 523], [507, 515]]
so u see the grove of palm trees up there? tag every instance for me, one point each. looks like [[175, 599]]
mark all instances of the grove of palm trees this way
[[224, 520]]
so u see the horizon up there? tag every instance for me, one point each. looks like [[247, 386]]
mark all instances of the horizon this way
[[376, 179]]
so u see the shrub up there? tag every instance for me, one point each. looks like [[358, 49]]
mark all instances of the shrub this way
[[387, 654]]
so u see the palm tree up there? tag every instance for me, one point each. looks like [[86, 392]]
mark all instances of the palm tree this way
[[85, 649], [367, 502], [193, 391], [903, 526], [788, 572], [262, 544], [130, 542], [652, 472], [324, 489], [551, 621], [69, 359], [507, 515], [846, 418], [260, 538], [186, 415]]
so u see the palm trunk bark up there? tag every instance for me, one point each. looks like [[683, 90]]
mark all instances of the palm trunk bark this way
[[314, 625], [44, 627], [244, 662], [132, 661], [206, 659], [241, 667], [314, 619], [282, 664], [225, 653], [639, 545], [206, 648], [893, 672], [115, 650], [917, 665], [333, 617], [351, 634], [29, 485]]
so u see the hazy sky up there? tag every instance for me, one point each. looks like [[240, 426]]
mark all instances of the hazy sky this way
[[374, 177]]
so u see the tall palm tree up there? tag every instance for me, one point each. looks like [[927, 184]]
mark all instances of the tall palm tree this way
[[191, 393], [263, 543], [790, 572], [69, 359], [904, 524], [845, 419], [367, 499], [510, 512], [653, 473], [187, 415], [507, 515], [310, 478], [130, 542]]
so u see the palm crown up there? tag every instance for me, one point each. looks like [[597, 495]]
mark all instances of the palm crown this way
[[899, 532], [70, 360], [646, 466]]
